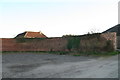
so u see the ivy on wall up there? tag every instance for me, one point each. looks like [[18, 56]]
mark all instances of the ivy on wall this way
[[73, 43]]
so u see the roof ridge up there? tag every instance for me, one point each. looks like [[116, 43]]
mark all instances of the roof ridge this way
[[33, 34]]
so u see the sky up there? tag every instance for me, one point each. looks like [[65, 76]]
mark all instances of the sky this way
[[57, 17]]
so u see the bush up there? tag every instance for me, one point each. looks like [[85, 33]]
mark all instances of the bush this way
[[73, 43]]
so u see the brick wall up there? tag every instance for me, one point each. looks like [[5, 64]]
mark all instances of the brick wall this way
[[0, 44], [112, 36], [53, 44], [118, 42], [58, 44]]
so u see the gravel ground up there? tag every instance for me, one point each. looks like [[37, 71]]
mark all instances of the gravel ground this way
[[34, 65]]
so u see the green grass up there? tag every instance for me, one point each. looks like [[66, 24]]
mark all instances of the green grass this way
[[58, 52], [24, 51], [97, 53], [65, 53], [76, 55], [50, 52]]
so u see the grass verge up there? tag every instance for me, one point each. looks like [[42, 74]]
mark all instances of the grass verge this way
[[66, 53], [50, 52], [97, 53]]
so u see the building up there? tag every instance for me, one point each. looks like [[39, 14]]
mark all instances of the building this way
[[116, 29], [30, 34]]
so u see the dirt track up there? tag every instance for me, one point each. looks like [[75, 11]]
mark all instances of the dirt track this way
[[34, 65]]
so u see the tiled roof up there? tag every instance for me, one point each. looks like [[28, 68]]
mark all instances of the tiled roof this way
[[34, 35]]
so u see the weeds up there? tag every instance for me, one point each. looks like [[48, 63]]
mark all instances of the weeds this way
[[65, 53]]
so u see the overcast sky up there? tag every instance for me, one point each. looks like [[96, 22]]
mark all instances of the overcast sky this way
[[56, 17]]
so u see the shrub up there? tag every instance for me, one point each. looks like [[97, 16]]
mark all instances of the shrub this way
[[73, 43]]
